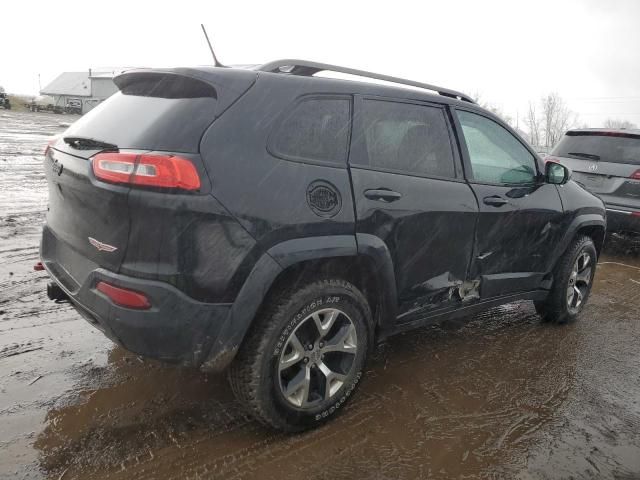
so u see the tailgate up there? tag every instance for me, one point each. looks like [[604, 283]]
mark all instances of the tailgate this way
[[87, 221]]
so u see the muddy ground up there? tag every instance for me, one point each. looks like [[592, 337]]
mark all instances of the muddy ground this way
[[499, 396]]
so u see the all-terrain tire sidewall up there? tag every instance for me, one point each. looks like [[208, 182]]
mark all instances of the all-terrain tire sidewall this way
[[285, 314], [556, 308]]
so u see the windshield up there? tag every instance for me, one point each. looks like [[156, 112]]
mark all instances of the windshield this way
[[606, 147]]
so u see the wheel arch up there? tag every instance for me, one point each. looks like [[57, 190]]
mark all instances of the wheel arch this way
[[590, 224], [362, 260]]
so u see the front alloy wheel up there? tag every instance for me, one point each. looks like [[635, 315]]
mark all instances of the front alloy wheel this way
[[573, 278], [579, 282]]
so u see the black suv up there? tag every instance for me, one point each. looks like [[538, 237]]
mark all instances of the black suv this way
[[280, 224]]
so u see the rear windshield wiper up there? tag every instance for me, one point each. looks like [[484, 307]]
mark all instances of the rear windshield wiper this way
[[590, 156], [84, 143]]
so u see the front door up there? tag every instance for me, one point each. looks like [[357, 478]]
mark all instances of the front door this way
[[520, 217], [409, 192]]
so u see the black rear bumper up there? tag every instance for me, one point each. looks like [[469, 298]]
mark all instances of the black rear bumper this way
[[620, 219], [177, 328]]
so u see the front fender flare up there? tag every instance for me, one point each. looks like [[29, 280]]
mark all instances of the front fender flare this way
[[580, 221]]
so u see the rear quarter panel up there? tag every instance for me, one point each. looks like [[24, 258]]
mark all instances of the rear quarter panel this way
[[267, 194]]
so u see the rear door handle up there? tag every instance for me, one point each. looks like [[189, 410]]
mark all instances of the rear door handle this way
[[495, 200], [382, 195]]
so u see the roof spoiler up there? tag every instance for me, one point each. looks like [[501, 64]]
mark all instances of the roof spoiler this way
[[307, 68]]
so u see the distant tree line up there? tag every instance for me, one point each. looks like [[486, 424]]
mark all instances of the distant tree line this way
[[548, 119]]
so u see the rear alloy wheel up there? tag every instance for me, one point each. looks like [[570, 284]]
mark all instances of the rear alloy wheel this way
[[317, 358], [304, 358], [573, 279]]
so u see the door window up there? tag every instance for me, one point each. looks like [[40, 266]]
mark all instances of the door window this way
[[408, 138], [496, 155]]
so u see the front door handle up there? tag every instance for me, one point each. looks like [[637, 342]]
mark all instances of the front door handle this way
[[495, 201], [382, 195]]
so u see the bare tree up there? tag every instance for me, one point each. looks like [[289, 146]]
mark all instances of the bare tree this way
[[534, 124], [497, 111], [616, 123], [556, 119]]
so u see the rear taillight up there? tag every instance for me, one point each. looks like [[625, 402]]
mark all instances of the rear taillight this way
[[635, 214], [162, 171], [124, 297], [635, 175], [50, 143]]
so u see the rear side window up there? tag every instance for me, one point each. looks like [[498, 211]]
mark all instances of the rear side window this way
[[607, 147], [409, 138], [151, 112], [317, 129]]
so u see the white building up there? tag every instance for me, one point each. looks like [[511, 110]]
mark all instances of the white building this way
[[79, 92]]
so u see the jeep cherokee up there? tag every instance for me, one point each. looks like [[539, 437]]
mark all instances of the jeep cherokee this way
[[276, 224]]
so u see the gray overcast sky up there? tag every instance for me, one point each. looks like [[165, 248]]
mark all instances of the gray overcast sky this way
[[510, 52]]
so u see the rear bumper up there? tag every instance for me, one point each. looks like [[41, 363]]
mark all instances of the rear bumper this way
[[175, 329], [621, 219]]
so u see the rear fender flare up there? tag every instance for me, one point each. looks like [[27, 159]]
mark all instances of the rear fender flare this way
[[258, 283], [376, 249]]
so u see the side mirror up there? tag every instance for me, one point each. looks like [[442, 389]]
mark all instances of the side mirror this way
[[556, 173]]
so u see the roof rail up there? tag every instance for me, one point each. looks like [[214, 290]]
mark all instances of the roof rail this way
[[307, 68]]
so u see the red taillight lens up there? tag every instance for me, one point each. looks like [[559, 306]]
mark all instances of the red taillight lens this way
[[163, 171], [124, 297], [635, 214], [50, 143], [635, 175]]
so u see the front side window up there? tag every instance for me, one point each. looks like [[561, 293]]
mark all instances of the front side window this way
[[408, 138], [496, 155], [317, 129]]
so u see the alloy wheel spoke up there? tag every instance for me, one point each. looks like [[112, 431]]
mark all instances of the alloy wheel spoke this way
[[324, 320], [296, 354], [333, 380], [344, 341], [297, 390], [578, 296], [570, 294], [584, 276]]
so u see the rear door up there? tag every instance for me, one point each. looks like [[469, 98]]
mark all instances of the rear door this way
[[520, 216], [607, 163], [409, 192]]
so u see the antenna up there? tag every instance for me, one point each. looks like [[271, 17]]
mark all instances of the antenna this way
[[215, 59]]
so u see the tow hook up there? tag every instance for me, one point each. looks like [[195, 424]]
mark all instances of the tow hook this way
[[55, 293]]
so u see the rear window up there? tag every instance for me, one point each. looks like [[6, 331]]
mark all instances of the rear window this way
[[317, 129], [408, 138], [152, 111], [606, 147]]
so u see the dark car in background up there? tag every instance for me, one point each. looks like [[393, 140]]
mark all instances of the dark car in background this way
[[278, 225], [607, 162]]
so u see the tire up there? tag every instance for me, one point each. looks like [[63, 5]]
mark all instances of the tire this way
[[564, 305], [285, 385]]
